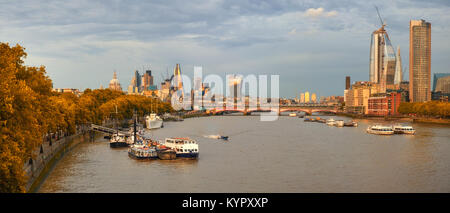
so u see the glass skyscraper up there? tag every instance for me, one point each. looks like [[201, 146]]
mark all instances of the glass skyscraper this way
[[382, 59]]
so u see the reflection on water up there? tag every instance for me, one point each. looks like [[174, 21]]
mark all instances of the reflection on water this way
[[288, 155]]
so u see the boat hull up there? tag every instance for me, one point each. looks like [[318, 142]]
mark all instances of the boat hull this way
[[154, 124], [187, 155], [118, 144], [380, 132], [131, 155], [167, 155]]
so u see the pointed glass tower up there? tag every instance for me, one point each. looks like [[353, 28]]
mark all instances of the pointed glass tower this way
[[382, 59], [398, 68]]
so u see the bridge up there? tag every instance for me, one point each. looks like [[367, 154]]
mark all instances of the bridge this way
[[103, 129], [306, 108]]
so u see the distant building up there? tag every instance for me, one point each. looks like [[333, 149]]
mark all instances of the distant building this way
[[147, 80], [314, 98], [441, 82], [114, 83], [347, 82], [398, 78], [419, 61], [302, 97], [307, 97], [67, 90]]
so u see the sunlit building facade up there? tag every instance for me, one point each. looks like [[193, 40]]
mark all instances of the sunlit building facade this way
[[419, 61], [382, 59]]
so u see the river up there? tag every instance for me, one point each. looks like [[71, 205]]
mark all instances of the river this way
[[287, 155]]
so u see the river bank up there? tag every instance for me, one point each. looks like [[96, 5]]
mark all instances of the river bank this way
[[399, 118]]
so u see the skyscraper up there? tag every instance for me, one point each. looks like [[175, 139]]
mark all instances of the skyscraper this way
[[382, 59], [347, 82], [314, 98], [302, 97], [419, 61], [148, 80], [306, 97], [398, 68]]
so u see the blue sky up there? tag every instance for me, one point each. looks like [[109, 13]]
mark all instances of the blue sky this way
[[312, 45]]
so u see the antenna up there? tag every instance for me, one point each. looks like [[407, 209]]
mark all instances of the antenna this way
[[379, 16]]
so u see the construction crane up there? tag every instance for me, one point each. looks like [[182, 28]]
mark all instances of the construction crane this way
[[383, 24]]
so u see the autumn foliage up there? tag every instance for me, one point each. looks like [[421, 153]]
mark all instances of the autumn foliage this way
[[428, 109], [29, 110]]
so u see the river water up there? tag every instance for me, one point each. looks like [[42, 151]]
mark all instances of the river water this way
[[287, 155]]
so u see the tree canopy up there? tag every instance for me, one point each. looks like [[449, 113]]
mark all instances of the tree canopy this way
[[29, 110]]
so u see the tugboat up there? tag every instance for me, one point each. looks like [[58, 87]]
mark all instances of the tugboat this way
[[184, 147], [166, 154], [380, 130]]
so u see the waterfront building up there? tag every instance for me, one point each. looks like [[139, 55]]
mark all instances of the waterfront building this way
[[419, 61], [114, 84], [382, 59], [386, 105], [357, 96], [302, 97]]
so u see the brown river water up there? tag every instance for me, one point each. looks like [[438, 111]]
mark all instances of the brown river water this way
[[287, 155]]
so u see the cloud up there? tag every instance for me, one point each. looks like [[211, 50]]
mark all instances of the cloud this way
[[319, 12]]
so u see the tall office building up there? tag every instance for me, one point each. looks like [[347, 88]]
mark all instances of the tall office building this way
[[347, 82], [436, 77], [314, 98], [302, 97], [306, 97], [382, 59], [419, 61], [398, 68], [148, 80]]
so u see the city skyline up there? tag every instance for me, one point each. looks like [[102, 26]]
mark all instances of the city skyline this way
[[81, 49]]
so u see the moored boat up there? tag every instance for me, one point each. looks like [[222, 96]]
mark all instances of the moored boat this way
[[351, 124], [292, 115], [331, 122], [339, 123], [153, 121], [166, 154], [118, 140], [184, 147], [142, 151], [399, 129], [380, 130]]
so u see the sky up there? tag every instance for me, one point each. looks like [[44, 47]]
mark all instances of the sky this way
[[311, 45]]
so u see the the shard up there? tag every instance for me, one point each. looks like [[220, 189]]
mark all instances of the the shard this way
[[398, 68]]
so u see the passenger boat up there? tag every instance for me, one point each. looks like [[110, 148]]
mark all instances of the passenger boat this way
[[118, 140], [142, 151], [399, 129], [331, 122], [351, 124], [339, 123], [292, 115], [308, 119], [184, 147], [153, 121], [380, 130]]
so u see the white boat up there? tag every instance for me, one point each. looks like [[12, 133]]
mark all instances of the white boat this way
[[184, 147], [399, 129], [351, 124], [217, 137], [292, 114], [118, 140], [380, 130], [339, 123], [153, 121], [331, 122]]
